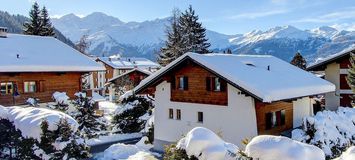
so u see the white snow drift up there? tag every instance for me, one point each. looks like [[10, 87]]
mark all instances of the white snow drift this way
[[28, 120], [205, 144], [267, 147]]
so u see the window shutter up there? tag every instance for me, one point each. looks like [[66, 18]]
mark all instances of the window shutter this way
[[223, 85], [208, 83], [173, 83], [41, 86], [38, 86], [213, 83], [186, 81], [268, 120]]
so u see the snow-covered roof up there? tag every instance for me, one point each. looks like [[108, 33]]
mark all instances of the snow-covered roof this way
[[135, 69], [331, 58], [42, 54], [250, 74], [129, 62]]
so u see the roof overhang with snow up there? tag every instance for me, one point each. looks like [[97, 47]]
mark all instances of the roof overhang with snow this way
[[128, 62], [320, 65], [265, 78], [26, 53]]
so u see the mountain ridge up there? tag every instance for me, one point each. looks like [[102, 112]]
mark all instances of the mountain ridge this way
[[112, 36]]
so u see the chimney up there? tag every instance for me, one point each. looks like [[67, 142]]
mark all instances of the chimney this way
[[3, 32], [18, 56]]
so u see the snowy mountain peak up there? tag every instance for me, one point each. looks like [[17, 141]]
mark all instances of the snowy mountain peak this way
[[325, 31]]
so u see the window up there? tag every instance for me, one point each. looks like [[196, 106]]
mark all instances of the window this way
[[171, 113], [7, 87], [200, 117], [215, 84], [178, 114], [274, 119], [183, 83], [30, 87]]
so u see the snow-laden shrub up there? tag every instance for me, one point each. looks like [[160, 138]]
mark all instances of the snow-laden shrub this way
[[32, 101], [266, 147], [332, 131], [39, 133], [203, 144], [133, 115]]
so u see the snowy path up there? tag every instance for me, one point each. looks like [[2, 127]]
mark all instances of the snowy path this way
[[102, 147]]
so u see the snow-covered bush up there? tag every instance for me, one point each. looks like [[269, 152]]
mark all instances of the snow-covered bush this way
[[204, 144], [32, 101], [90, 124], [266, 147], [132, 117], [62, 100], [332, 131], [39, 133]]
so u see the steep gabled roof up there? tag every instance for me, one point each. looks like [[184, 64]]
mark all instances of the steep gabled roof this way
[[266, 78], [331, 59], [129, 62], [42, 54]]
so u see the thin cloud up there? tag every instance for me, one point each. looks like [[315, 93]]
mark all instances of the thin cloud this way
[[254, 15], [330, 17], [344, 26]]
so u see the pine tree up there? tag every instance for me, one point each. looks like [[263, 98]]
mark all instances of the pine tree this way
[[299, 61], [47, 138], [34, 26], [64, 130], [351, 76], [229, 51], [46, 25], [174, 45], [193, 33]]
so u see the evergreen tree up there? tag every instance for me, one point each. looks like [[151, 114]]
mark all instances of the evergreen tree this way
[[193, 33], [351, 76], [47, 138], [299, 61], [228, 51], [90, 124], [174, 45], [46, 25], [34, 26]]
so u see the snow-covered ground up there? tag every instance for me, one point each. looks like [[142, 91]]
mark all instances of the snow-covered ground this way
[[112, 138], [138, 151]]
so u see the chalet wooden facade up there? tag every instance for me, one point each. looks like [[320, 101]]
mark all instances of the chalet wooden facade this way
[[335, 70], [38, 67], [203, 90]]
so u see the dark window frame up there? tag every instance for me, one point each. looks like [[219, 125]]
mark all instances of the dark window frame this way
[[178, 114], [275, 119], [171, 113], [200, 117]]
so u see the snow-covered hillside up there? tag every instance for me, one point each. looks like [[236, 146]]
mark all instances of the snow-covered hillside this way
[[112, 36]]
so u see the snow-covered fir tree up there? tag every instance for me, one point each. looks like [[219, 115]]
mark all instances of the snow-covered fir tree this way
[[132, 117], [174, 44], [90, 124], [34, 26], [194, 34], [46, 25], [299, 61], [351, 76]]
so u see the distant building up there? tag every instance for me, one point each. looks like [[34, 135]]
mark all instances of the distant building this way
[[126, 81], [335, 69], [116, 65], [35, 66], [236, 96]]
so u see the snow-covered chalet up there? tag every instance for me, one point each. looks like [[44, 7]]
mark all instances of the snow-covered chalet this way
[[335, 70], [35, 66], [236, 96]]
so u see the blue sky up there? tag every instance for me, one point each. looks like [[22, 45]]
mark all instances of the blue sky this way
[[225, 16]]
